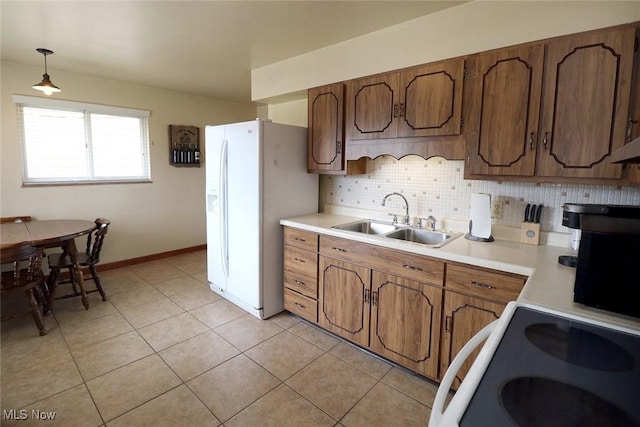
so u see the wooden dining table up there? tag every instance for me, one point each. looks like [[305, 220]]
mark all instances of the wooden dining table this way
[[48, 234]]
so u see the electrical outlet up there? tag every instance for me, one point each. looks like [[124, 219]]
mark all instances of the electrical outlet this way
[[496, 209]]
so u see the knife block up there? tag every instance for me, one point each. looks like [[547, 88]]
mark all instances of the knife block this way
[[530, 233]]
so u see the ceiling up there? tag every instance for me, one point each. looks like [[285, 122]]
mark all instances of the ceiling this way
[[202, 47]]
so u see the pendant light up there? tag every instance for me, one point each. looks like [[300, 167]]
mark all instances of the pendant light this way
[[45, 85]]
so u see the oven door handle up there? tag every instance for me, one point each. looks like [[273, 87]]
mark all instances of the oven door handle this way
[[437, 411]]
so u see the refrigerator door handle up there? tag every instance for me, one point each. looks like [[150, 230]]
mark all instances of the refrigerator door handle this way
[[224, 247]]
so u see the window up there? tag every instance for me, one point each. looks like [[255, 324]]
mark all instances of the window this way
[[73, 142]]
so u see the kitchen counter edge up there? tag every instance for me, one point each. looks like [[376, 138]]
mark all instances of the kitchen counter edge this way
[[549, 284]]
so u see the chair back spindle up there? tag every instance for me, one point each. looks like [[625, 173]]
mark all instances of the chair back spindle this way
[[96, 239]]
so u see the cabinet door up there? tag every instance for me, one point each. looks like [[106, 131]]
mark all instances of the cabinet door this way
[[502, 93], [463, 317], [585, 104], [405, 322], [633, 124], [431, 99], [372, 107], [326, 131], [345, 299]]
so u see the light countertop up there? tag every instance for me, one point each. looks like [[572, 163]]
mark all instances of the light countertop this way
[[550, 284]]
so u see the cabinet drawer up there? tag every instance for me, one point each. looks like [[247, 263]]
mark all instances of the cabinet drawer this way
[[306, 285], [415, 267], [301, 305], [484, 283], [301, 262], [399, 263], [301, 239]]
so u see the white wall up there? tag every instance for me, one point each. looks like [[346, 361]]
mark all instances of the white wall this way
[[164, 215], [472, 27], [289, 113]]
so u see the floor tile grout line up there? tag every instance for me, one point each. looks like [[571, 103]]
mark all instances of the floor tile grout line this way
[[82, 378], [285, 327], [393, 365]]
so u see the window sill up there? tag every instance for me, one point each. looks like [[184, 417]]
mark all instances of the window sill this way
[[71, 183]]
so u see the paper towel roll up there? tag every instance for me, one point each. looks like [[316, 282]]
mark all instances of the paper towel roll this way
[[481, 215]]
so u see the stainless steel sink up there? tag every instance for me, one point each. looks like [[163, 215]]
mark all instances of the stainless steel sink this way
[[367, 226], [434, 239], [426, 237]]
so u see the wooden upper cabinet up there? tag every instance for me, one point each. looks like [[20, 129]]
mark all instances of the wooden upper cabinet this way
[[325, 140], [585, 104], [415, 102], [431, 99], [373, 107], [325, 134], [502, 104]]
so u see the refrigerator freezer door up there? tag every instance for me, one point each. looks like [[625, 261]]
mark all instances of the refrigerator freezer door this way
[[245, 213], [216, 164]]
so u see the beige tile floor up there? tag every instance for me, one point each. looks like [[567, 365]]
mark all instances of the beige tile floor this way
[[166, 351]]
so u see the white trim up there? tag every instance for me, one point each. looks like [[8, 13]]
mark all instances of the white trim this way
[[38, 101]]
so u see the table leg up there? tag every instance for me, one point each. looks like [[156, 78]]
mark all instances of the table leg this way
[[73, 256], [52, 280]]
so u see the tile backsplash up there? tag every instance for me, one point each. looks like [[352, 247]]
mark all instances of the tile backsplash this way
[[436, 187]]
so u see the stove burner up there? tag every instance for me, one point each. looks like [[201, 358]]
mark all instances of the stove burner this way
[[535, 402], [579, 347]]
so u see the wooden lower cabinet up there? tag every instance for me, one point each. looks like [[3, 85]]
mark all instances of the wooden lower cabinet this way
[[345, 291], [396, 304], [405, 322], [300, 261], [395, 317], [463, 317]]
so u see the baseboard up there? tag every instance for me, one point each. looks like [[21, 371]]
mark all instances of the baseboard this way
[[64, 275], [147, 258]]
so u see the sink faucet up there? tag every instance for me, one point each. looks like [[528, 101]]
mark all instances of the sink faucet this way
[[406, 205]]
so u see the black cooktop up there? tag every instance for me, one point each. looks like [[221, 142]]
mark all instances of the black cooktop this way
[[553, 371]]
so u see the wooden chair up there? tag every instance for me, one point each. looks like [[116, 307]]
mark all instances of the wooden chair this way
[[87, 259], [26, 277], [17, 219]]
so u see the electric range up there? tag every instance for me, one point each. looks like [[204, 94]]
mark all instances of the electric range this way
[[540, 367]]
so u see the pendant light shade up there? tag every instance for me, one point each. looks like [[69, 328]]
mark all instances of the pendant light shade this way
[[46, 85]]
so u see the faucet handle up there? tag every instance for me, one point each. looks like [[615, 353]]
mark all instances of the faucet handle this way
[[394, 219], [430, 219]]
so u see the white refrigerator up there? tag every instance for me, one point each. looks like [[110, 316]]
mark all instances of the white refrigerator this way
[[256, 175]]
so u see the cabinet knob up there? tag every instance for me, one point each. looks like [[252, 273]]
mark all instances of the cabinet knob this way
[[480, 284], [531, 138], [630, 124], [411, 267], [544, 140], [447, 323]]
